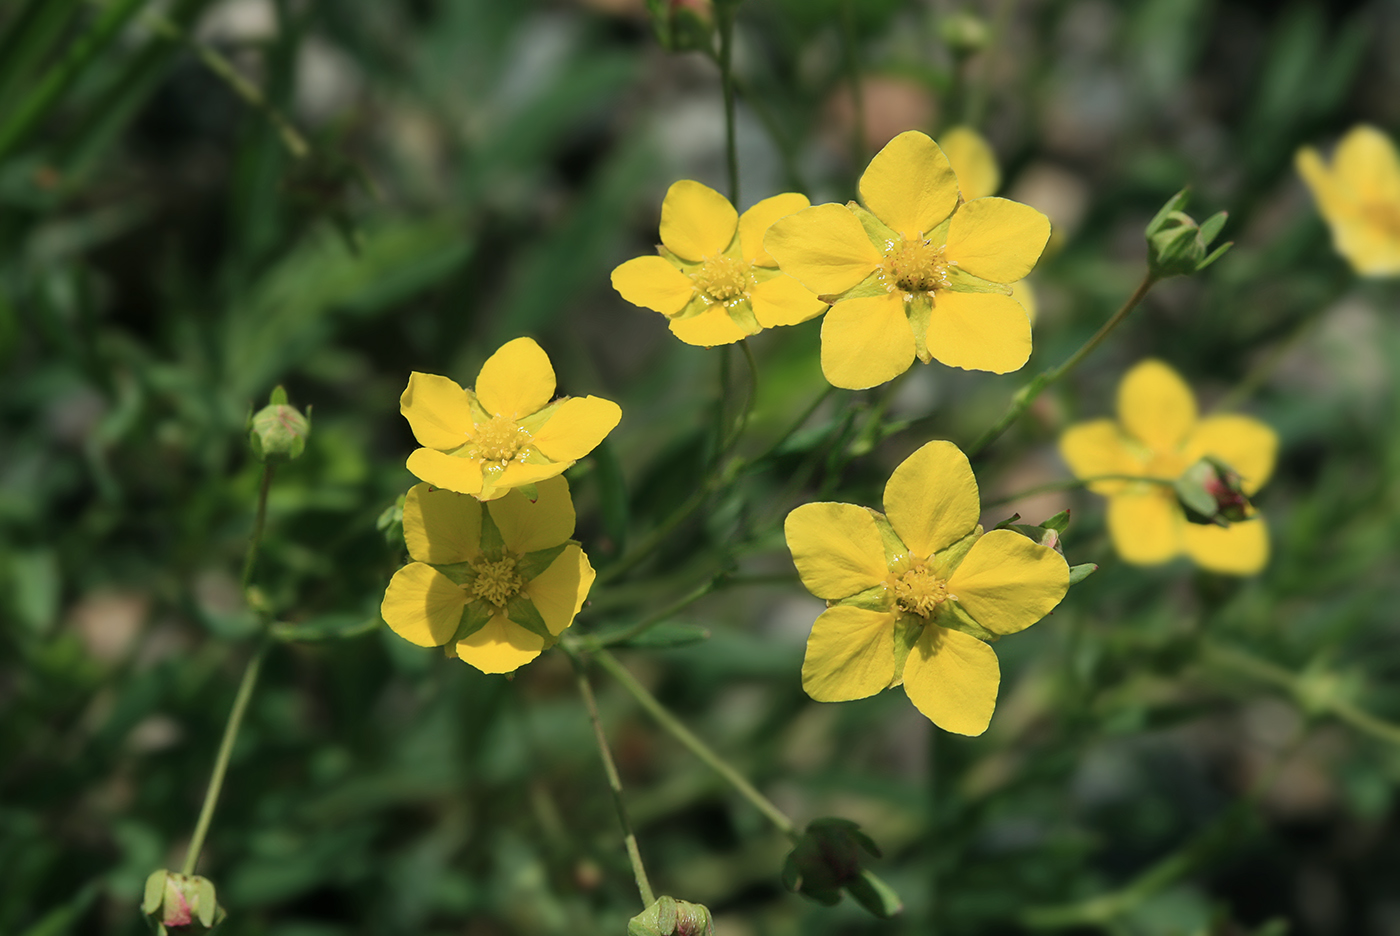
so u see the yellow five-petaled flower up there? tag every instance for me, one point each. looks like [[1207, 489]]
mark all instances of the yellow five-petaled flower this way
[[506, 433], [915, 273], [495, 583], [1158, 435], [912, 593], [713, 280], [1359, 197]]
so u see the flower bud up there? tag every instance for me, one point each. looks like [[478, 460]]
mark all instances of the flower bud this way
[[682, 25], [964, 33], [180, 904], [1210, 492], [1176, 245], [826, 861], [278, 432], [671, 917]]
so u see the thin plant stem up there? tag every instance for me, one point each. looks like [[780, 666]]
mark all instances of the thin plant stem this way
[[1070, 484], [647, 623], [216, 779], [797, 424], [742, 422], [250, 558], [1027, 394], [687, 738], [647, 546], [724, 20], [850, 49], [634, 854]]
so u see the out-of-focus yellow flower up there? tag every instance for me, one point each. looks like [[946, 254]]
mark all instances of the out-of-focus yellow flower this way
[[495, 583], [972, 160], [713, 280], [908, 275], [913, 594], [1359, 198], [1158, 435], [505, 434]]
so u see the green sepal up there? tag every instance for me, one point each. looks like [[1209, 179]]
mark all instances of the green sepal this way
[[952, 615], [530, 492], [1059, 523], [947, 560], [959, 280], [875, 895], [522, 611], [155, 891], [492, 543], [539, 417], [1040, 535], [206, 907], [741, 312], [826, 859], [876, 598], [1008, 523], [458, 573], [872, 285], [670, 917], [920, 312], [907, 631], [895, 550], [1079, 573], [532, 564], [479, 414], [475, 615], [881, 234]]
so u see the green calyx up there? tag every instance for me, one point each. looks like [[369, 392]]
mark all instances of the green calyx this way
[[183, 903], [1176, 245], [278, 431]]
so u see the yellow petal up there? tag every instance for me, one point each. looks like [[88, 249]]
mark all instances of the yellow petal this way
[[1022, 292], [462, 475], [696, 221], [517, 474], [1245, 444], [500, 647], [560, 590], [997, 239], [979, 331], [1007, 583], [441, 527], [909, 185], [422, 605], [1367, 162], [1096, 448], [1239, 549], [516, 381], [1146, 528], [931, 498], [576, 427], [755, 222], [438, 411], [1335, 200], [952, 678], [782, 300], [972, 160], [1156, 407], [652, 283], [712, 327], [824, 248], [525, 526], [866, 342], [836, 548], [850, 654]]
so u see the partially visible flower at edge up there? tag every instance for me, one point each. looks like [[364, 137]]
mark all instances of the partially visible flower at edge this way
[[713, 280], [915, 272], [1359, 198], [495, 583], [913, 594], [506, 433], [1159, 435]]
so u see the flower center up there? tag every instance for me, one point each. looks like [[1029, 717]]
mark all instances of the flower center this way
[[1384, 215], [919, 591], [499, 439], [497, 582], [915, 267], [723, 279]]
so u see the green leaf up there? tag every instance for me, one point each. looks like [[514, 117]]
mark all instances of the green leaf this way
[[875, 895], [1079, 573]]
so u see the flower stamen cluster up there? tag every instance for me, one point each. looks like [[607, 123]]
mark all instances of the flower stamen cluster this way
[[500, 439], [723, 279], [497, 581], [915, 267], [918, 591]]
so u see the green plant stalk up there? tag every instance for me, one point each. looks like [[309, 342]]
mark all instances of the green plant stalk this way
[[1071, 484], [29, 38], [724, 20], [1027, 394], [646, 624], [849, 48], [687, 738], [250, 558], [634, 854]]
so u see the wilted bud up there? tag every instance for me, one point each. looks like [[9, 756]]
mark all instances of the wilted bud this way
[[1210, 492], [671, 917], [826, 861], [682, 25], [278, 432], [1176, 245], [964, 33], [177, 904]]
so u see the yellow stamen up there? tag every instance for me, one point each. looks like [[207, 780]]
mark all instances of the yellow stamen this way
[[915, 266], [497, 582], [723, 279], [499, 439], [919, 591]]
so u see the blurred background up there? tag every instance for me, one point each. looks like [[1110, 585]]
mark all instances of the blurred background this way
[[200, 200]]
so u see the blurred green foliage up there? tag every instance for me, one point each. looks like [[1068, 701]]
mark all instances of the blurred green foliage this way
[[409, 185]]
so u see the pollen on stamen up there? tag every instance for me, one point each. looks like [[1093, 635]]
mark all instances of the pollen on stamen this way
[[499, 439], [915, 266], [919, 591], [722, 279], [497, 582]]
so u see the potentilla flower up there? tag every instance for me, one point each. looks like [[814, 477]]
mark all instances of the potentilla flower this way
[[914, 273], [494, 583], [913, 594], [1158, 435], [506, 433], [1359, 198], [713, 280]]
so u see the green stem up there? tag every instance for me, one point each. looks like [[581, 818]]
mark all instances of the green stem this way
[[724, 20], [646, 624], [1071, 484], [216, 780], [742, 422], [693, 744], [250, 558], [634, 854], [1027, 394], [849, 47]]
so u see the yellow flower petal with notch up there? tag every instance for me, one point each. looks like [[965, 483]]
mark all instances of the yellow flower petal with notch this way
[[1359, 198]]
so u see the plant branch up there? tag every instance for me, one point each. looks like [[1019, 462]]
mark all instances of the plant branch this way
[[1070, 484]]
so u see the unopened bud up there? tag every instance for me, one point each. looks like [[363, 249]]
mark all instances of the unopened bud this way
[[826, 862], [1176, 245], [964, 33], [671, 917], [179, 904], [278, 432], [683, 25], [1210, 491]]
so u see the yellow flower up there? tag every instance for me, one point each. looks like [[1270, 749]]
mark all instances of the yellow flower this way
[[713, 280], [912, 594], [1359, 197], [496, 583], [507, 433], [1158, 435], [911, 276]]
